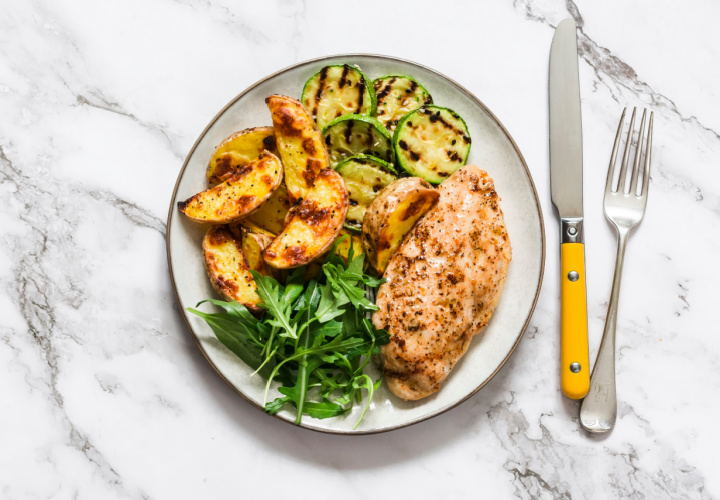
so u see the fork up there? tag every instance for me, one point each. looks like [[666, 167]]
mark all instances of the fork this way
[[624, 208]]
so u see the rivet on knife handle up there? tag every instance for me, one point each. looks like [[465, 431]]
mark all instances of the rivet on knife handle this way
[[566, 189], [574, 362]]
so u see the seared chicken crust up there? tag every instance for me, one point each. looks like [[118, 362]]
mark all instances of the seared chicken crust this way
[[443, 284]]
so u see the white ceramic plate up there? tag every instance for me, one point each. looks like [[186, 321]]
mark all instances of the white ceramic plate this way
[[493, 149]]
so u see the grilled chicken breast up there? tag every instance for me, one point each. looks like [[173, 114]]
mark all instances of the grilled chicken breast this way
[[443, 284]]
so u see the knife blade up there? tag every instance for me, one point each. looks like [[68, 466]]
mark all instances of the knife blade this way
[[566, 164]]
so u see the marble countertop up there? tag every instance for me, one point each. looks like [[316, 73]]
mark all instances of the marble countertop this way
[[105, 393]]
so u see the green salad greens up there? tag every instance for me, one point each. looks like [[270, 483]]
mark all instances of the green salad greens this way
[[313, 337]]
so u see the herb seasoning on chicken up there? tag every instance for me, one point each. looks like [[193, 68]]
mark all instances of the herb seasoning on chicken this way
[[443, 284]]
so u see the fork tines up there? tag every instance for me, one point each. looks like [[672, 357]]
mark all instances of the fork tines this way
[[623, 184]]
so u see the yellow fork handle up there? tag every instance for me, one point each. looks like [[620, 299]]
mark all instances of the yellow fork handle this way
[[573, 322]]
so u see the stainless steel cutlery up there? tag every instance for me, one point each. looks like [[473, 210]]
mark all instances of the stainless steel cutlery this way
[[566, 181], [625, 200]]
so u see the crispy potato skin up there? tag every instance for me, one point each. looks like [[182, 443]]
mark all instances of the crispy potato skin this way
[[246, 225], [392, 215], [239, 195], [312, 224], [238, 150], [227, 267], [253, 244], [271, 214], [299, 143]]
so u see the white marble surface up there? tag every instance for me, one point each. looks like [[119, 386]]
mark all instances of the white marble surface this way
[[104, 392]]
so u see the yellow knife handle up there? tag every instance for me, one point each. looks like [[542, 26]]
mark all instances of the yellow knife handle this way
[[574, 362]]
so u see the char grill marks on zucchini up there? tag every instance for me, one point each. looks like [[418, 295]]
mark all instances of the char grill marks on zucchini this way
[[432, 142], [350, 135], [338, 90], [365, 176], [398, 95]]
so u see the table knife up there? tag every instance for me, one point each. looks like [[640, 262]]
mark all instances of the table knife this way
[[566, 164]]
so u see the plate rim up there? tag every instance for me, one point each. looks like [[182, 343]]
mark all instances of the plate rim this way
[[532, 185]]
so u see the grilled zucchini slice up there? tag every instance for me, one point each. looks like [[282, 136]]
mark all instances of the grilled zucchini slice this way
[[365, 176], [392, 215], [398, 95], [299, 143], [239, 195], [227, 267], [237, 151], [312, 224], [432, 143], [351, 135], [338, 90]]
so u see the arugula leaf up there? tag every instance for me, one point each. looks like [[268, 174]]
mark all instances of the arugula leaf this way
[[355, 268], [239, 339], [298, 392], [313, 409], [330, 305], [350, 321], [330, 329], [273, 299], [372, 282], [294, 285], [332, 256], [380, 335], [365, 382], [235, 310], [313, 337], [346, 284], [274, 406], [323, 410]]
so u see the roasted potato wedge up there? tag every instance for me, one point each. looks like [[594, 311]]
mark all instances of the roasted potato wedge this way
[[299, 143], [392, 215], [227, 267], [311, 225], [252, 246], [271, 214], [314, 268], [254, 240], [245, 224], [353, 241], [239, 195], [238, 150]]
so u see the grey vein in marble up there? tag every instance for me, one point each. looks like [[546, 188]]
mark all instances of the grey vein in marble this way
[[616, 75], [606, 64], [539, 466], [38, 294], [136, 214], [229, 18], [77, 352], [97, 100]]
